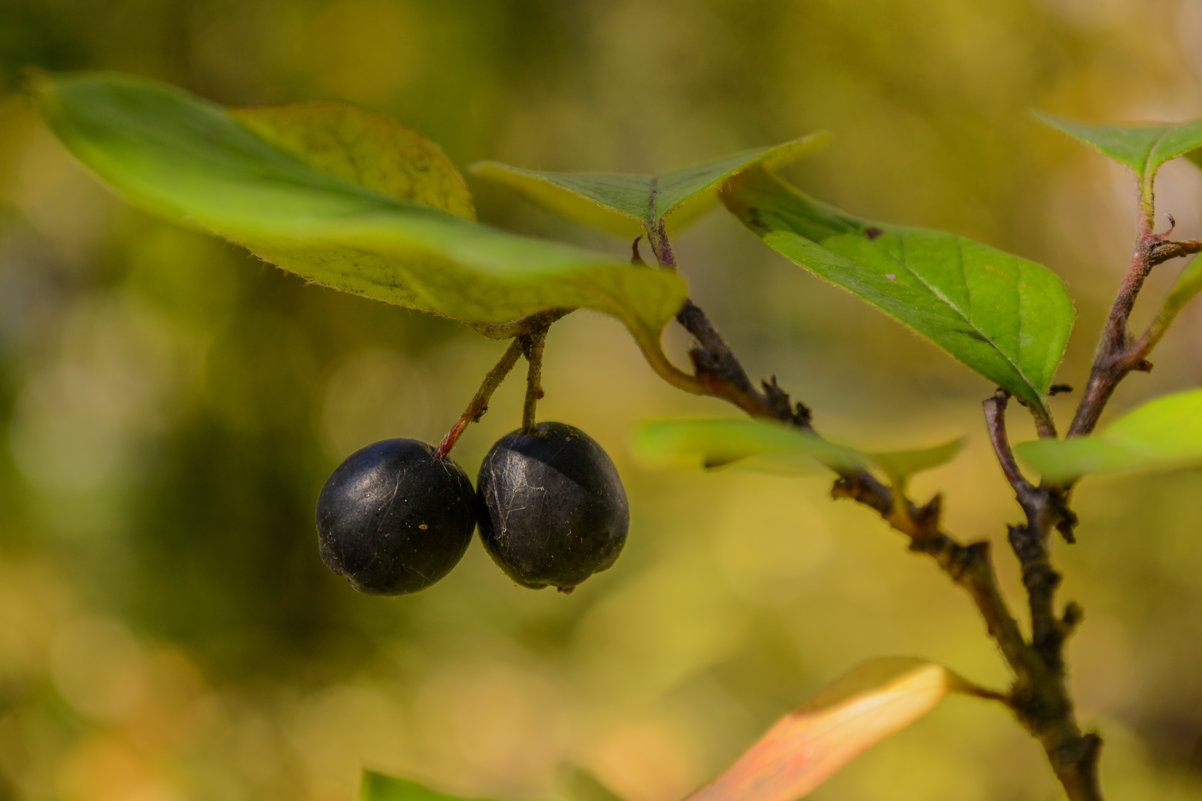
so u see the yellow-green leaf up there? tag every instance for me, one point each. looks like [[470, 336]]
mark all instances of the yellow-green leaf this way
[[899, 465], [722, 441], [362, 147], [627, 204], [309, 205], [1161, 434]]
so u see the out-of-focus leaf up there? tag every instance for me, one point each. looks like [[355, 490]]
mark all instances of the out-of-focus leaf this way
[[627, 204], [296, 203], [806, 747], [1005, 317], [1143, 148], [902, 464], [718, 442], [1162, 433], [380, 787]]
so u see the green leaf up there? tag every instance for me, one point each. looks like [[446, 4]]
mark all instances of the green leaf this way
[[1161, 434], [1005, 317], [718, 442], [900, 465], [806, 747], [1143, 148], [380, 787], [287, 184], [628, 204]]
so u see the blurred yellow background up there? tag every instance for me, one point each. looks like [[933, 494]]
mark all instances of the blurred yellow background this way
[[169, 408]]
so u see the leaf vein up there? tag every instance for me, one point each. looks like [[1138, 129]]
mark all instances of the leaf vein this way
[[965, 316]]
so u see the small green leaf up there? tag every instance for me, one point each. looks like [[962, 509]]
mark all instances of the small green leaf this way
[[1143, 148], [289, 185], [380, 787], [628, 204], [808, 746], [1161, 434], [1005, 317], [900, 465], [719, 442]]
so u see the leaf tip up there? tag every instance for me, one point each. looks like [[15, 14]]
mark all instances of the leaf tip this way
[[789, 152], [483, 168]]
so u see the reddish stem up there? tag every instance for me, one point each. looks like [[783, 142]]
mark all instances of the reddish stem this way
[[479, 403]]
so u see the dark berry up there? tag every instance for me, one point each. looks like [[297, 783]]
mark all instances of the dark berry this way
[[394, 519], [554, 508]]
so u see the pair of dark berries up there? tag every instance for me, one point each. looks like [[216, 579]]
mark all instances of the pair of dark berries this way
[[394, 518]]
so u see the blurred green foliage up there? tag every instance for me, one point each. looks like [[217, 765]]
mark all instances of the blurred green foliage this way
[[169, 408]]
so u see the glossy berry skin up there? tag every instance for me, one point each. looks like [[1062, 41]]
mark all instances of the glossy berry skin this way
[[394, 519], [554, 511]]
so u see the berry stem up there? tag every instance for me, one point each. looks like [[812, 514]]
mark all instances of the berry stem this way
[[517, 327], [532, 347], [479, 403]]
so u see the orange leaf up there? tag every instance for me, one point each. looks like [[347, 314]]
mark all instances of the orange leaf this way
[[806, 747]]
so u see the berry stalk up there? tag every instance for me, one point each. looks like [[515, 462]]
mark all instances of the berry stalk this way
[[479, 403]]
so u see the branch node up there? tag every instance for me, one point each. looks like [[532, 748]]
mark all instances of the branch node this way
[[782, 407], [969, 557], [929, 514], [1072, 617], [843, 488], [1066, 521]]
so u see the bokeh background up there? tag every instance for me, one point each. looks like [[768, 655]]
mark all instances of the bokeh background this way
[[169, 408]]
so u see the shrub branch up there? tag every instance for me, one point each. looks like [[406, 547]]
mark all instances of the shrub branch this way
[[1039, 694]]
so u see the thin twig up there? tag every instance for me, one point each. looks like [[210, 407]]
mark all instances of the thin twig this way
[[479, 403], [995, 425], [721, 375], [532, 347], [657, 237], [1114, 359], [1168, 250], [512, 329]]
